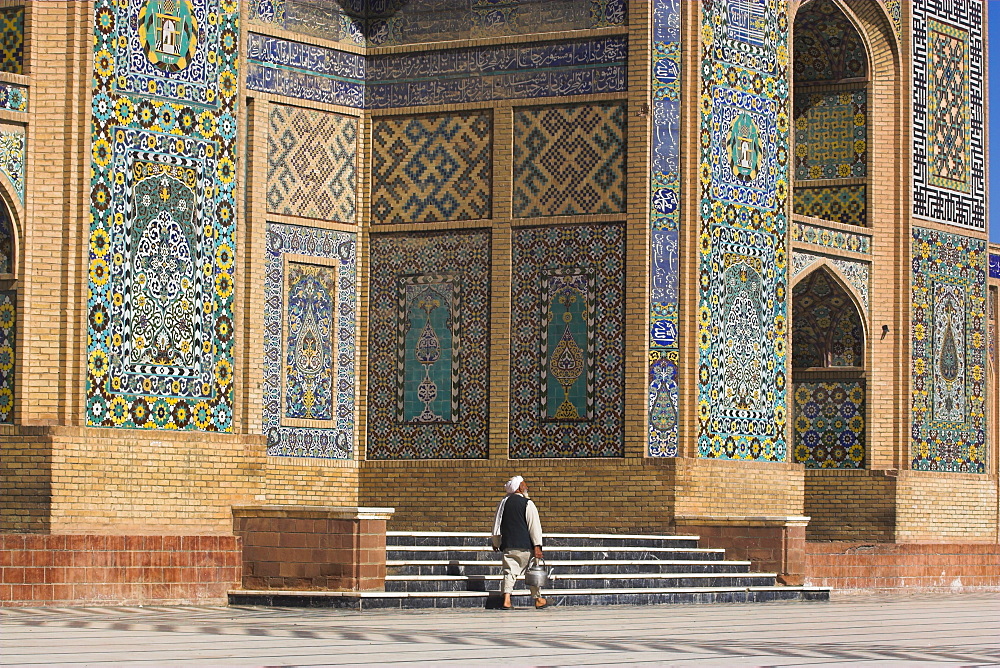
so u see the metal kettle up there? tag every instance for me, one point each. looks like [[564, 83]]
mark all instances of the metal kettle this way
[[536, 574]]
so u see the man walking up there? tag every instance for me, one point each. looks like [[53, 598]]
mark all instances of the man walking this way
[[517, 532]]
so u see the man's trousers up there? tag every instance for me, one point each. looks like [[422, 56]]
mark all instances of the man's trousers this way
[[514, 563]]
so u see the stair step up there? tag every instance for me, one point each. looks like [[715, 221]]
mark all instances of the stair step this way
[[576, 566], [558, 583], [418, 552], [476, 538], [469, 599]]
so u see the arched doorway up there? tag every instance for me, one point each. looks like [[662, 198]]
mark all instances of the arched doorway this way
[[831, 116], [828, 374]]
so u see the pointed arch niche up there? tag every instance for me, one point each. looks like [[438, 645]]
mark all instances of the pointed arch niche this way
[[830, 111], [828, 372]]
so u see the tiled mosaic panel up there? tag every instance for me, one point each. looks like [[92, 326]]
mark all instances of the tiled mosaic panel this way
[[857, 273], [836, 239], [948, 117], [994, 266], [830, 424], [432, 168], [839, 204], [429, 344], [948, 352], [12, 40], [6, 242], [539, 254], [831, 134], [827, 330], [8, 366], [569, 160], [13, 152], [163, 214], [569, 320], [742, 406], [309, 341], [478, 74], [312, 164], [399, 261], [664, 213], [827, 45], [13, 98], [393, 23], [335, 440]]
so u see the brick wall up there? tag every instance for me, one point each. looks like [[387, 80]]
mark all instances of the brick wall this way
[[932, 507], [936, 566], [300, 547], [117, 570], [725, 487], [850, 505], [612, 496]]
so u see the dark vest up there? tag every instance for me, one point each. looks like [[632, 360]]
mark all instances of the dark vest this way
[[514, 524]]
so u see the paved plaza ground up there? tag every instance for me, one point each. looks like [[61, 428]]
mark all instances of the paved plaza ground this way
[[943, 629]]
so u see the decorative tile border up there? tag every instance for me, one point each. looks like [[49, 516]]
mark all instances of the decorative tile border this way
[[664, 213], [744, 179], [392, 24], [320, 74], [836, 239], [337, 440]]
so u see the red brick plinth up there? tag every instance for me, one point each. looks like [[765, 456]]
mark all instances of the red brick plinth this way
[[773, 544], [911, 566], [47, 569], [309, 547]]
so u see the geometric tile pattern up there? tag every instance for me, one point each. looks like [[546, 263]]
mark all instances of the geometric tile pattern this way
[[831, 134], [839, 204], [948, 352], [311, 164], [664, 213], [567, 380], [830, 424], [394, 23], [743, 261], [827, 45], [163, 215], [474, 74], [432, 168], [409, 272], [892, 8], [948, 106], [827, 329], [8, 366], [569, 160], [948, 115], [835, 239], [12, 156], [12, 40], [330, 315], [13, 97]]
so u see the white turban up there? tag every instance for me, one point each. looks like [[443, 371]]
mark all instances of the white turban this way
[[513, 484]]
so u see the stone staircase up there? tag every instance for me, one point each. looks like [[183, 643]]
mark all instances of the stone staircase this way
[[460, 570]]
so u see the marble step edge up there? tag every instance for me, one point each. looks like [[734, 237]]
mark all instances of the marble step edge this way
[[581, 576], [486, 534], [517, 592], [553, 548], [569, 562]]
